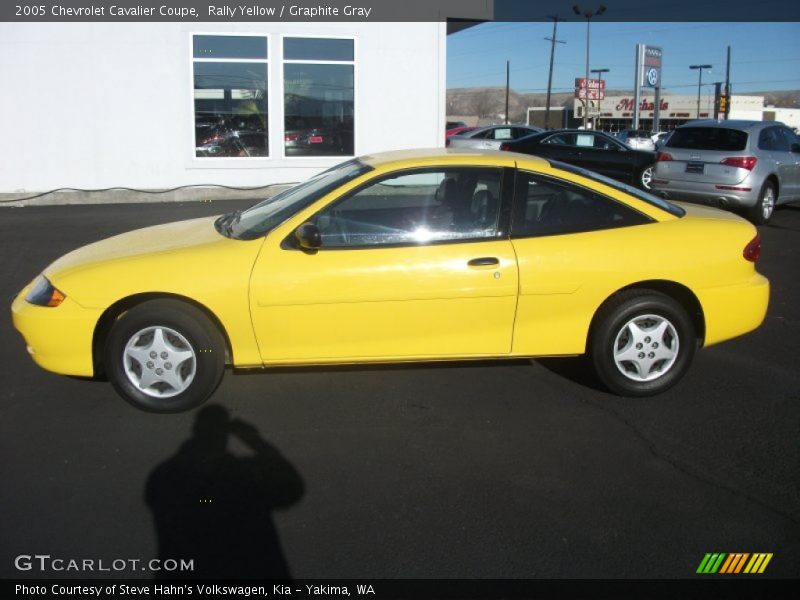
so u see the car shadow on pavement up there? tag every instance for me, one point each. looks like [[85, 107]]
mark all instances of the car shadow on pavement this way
[[215, 507], [577, 369]]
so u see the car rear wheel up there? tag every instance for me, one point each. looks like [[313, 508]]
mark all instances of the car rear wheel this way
[[642, 343], [762, 210], [164, 356], [646, 177]]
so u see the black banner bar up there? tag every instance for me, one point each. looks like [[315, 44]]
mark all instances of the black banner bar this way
[[387, 10], [705, 587]]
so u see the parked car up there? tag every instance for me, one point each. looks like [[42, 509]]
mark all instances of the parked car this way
[[238, 142], [316, 141], [593, 150], [458, 131], [751, 166], [490, 138], [660, 138], [636, 139], [453, 124], [398, 257]]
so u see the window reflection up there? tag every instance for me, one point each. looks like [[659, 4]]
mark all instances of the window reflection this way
[[318, 98], [230, 104]]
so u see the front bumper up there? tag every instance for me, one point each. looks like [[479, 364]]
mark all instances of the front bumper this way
[[59, 339]]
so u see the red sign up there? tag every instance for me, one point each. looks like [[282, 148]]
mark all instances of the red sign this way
[[597, 89]]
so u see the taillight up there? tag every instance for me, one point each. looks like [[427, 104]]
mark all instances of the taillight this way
[[753, 249], [663, 156], [741, 162], [505, 147]]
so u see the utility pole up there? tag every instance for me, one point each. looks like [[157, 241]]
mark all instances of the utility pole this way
[[508, 80], [728, 85], [553, 41]]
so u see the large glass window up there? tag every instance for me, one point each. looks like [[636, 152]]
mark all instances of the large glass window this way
[[230, 95], [416, 208], [318, 80]]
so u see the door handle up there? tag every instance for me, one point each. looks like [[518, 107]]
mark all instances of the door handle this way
[[484, 261]]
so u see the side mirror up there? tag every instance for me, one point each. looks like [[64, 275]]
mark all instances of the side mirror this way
[[308, 236], [795, 148]]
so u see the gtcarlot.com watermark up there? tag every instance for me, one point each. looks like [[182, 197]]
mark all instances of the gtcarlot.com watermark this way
[[45, 563]]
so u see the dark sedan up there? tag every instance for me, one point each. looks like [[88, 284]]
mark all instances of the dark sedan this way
[[592, 150]]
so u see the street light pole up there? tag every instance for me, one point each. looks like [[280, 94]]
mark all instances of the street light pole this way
[[588, 14], [699, 69], [600, 90]]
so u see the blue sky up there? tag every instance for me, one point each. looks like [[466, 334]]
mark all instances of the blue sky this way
[[764, 56]]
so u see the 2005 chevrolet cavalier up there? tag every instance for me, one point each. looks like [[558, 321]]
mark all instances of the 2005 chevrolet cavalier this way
[[404, 256]]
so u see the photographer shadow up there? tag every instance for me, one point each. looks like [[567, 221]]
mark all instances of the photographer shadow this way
[[215, 508]]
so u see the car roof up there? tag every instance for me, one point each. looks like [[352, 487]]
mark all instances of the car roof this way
[[574, 131], [454, 156], [730, 124]]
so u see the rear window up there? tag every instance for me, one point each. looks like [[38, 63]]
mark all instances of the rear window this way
[[624, 187], [708, 138]]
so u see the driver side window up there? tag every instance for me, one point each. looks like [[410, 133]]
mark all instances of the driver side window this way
[[415, 207]]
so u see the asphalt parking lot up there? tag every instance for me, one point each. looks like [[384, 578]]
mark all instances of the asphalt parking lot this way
[[471, 470]]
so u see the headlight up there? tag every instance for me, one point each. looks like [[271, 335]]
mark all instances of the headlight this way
[[42, 293]]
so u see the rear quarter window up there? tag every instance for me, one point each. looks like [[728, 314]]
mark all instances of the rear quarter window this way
[[722, 139]]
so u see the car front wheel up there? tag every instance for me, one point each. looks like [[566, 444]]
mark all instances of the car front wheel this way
[[164, 356], [642, 343]]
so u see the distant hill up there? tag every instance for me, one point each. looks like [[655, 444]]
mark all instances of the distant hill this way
[[780, 99], [488, 103]]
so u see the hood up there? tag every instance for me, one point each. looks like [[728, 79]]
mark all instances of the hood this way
[[170, 237], [187, 258]]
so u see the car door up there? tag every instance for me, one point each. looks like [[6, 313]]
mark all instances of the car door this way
[[499, 135], [776, 148], [414, 264], [792, 160], [602, 155], [574, 248], [559, 146]]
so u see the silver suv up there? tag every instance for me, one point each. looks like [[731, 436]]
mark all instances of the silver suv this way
[[751, 166]]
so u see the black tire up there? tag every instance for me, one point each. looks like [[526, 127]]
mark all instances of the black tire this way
[[761, 212], [645, 177], [642, 311], [186, 329]]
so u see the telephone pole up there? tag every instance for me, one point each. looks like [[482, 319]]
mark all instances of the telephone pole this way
[[553, 41], [508, 83]]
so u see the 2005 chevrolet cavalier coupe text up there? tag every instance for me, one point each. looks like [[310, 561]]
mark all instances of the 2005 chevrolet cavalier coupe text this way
[[403, 256]]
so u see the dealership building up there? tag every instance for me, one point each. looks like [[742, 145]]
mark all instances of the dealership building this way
[[152, 106], [615, 113]]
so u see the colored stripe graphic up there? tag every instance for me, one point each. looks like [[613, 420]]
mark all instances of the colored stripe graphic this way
[[758, 563], [711, 563], [734, 563]]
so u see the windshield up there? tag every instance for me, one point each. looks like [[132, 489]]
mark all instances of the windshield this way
[[261, 218], [623, 187]]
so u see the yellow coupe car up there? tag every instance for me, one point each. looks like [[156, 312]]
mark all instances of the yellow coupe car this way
[[400, 257]]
